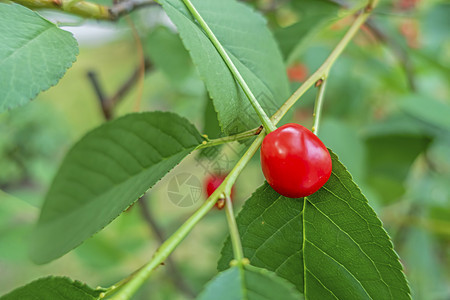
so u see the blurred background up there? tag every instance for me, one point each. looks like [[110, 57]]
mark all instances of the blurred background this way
[[386, 114]]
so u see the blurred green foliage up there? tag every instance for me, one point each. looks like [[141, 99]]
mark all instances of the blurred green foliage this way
[[386, 115]]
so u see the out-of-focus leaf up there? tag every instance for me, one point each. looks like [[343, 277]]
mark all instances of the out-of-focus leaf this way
[[314, 16], [344, 139], [389, 158], [423, 267], [428, 110], [167, 52], [249, 283], [34, 54], [104, 173], [331, 244], [251, 47], [54, 288]]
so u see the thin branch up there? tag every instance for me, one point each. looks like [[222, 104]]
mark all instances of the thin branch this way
[[142, 64], [397, 50], [268, 125], [104, 102], [234, 232], [89, 10], [323, 70], [127, 85], [125, 7], [321, 85], [174, 273], [109, 103]]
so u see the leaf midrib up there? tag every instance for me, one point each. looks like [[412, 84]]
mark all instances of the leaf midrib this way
[[23, 46], [230, 53], [87, 204]]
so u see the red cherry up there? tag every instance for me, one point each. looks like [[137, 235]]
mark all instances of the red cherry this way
[[294, 161], [297, 72], [212, 182]]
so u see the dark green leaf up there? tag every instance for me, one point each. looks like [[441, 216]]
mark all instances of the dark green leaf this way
[[54, 288], [249, 283], [104, 173], [425, 269], [331, 244], [211, 126], [248, 42], [34, 54]]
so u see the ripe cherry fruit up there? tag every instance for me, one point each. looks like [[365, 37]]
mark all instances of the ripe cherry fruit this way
[[294, 161], [297, 72], [212, 182]]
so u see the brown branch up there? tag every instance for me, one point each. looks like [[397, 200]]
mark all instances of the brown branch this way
[[100, 95], [174, 272], [88, 9], [120, 9], [109, 103]]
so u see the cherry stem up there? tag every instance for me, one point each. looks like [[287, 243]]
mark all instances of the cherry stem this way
[[318, 105], [268, 125], [234, 232], [324, 69], [229, 139]]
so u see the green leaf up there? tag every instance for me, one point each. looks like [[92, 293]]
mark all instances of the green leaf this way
[[344, 139], [389, 159], [54, 288], [425, 269], [211, 126], [104, 173], [248, 42], [428, 110], [330, 245], [315, 15], [34, 55], [167, 52], [249, 283]]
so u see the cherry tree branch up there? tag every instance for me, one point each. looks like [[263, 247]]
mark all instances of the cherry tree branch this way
[[88, 9], [109, 103]]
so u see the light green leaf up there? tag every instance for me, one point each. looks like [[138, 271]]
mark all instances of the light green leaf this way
[[167, 52], [331, 244], [211, 126], [104, 173], [54, 288], [248, 42], [428, 110], [314, 16], [249, 283], [34, 55], [344, 139]]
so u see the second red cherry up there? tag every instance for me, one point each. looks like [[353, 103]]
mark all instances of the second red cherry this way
[[212, 182]]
